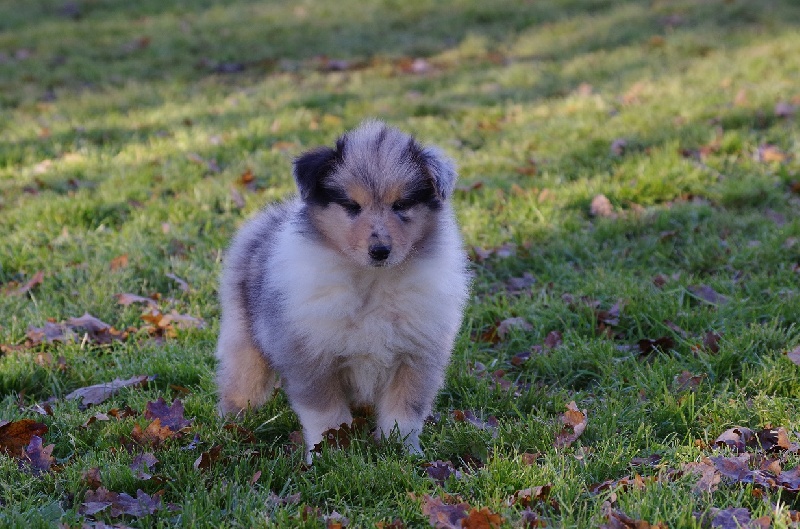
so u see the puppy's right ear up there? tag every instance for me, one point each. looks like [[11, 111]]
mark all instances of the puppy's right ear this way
[[311, 168]]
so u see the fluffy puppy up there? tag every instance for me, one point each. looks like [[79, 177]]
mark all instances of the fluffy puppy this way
[[351, 292]]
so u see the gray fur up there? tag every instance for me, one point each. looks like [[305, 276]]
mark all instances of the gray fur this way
[[302, 298]]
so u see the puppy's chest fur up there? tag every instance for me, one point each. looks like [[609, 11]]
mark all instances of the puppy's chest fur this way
[[362, 323]]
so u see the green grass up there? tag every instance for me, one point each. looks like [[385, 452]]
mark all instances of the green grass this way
[[119, 136]]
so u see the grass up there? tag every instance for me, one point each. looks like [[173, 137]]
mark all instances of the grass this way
[[121, 134]]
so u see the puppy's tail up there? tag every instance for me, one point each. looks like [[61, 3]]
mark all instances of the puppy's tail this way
[[244, 377]]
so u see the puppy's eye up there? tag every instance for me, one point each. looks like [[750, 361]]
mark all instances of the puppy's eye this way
[[402, 205], [352, 207]]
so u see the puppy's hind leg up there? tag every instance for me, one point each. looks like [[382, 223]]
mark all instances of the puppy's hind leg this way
[[244, 377]]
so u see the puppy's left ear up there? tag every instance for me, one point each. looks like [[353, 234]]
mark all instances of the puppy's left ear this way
[[442, 169], [311, 168]]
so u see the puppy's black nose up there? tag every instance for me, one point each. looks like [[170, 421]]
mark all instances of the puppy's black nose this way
[[379, 252]]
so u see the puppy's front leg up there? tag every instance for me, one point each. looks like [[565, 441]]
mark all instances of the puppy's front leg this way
[[320, 405], [406, 401]]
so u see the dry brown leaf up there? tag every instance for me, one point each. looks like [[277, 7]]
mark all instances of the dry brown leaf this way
[[170, 416], [128, 299], [601, 207], [16, 435], [183, 285], [142, 464], [38, 457], [771, 154], [207, 459], [482, 519], [708, 294], [92, 479], [98, 393], [37, 279], [687, 381], [504, 327], [575, 422], [153, 436], [442, 515], [118, 262], [121, 503], [794, 355]]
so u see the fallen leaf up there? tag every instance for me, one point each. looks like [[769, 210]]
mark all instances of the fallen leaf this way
[[553, 339], [530, 458], [520, 358], [734, 468], [51, 332], [505, 326], [440, 471], [121, 503], [442, 515], [170, 416], [709, 477], [207, 459], [37, 279], [16, 435], [776, 439], [619, 520], [530, 519], [711, 341], [128, 299], [237, 198], [342, 436], [92, 478], [601, 207], [335, 520], [291, 499], [517, 284], [737, 438], [688, 381], [245, 435], [210, 164], [771, 154], [531, 496], [165, 324], [649, 461], [794, 355], [183, 285], [708, 294], [784, 109], [575, 422], [618, 147], [663, 344], [118, 262], [142, 464], [610, 316], [153, 436], [396, 523], [99, 416], [38, 457], [482, 519], [730, 518], [98, 393]]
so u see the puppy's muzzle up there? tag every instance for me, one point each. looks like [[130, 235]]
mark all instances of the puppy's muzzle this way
[[379, 252]]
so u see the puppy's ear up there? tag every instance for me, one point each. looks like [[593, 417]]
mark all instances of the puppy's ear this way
[[311, 168], [442, 169]]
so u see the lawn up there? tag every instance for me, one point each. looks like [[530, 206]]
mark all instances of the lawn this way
[[629, 195]]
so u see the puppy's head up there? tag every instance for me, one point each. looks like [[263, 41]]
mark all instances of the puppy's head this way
[[377, 195]]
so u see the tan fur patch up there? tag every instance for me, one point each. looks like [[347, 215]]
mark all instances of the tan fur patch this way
[[359, 194]]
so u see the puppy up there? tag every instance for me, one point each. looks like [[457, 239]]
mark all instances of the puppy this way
[[351, 292]]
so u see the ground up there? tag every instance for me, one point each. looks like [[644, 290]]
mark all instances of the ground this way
[[629, 196]]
